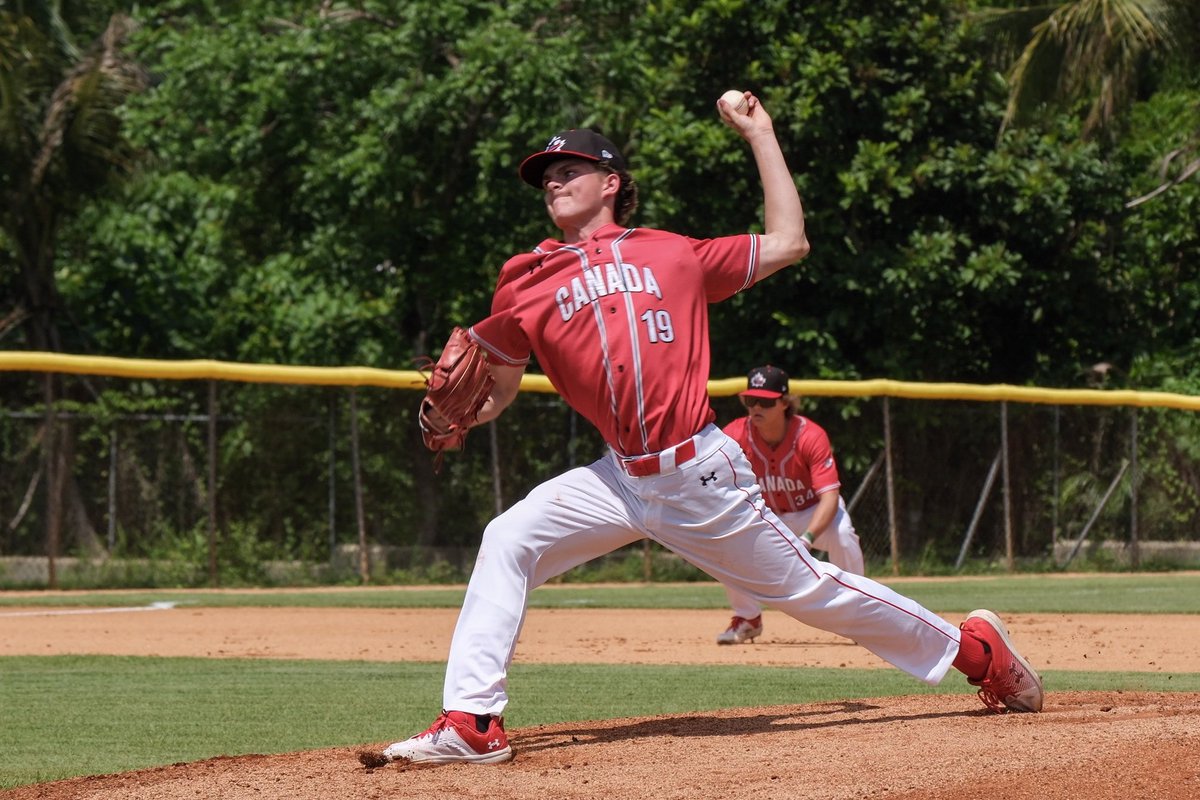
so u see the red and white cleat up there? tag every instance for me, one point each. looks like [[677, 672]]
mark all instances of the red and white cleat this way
[[454, 737], [741, 630], [1010, 683]]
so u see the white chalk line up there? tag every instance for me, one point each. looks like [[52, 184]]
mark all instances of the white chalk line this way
[[161, 606]]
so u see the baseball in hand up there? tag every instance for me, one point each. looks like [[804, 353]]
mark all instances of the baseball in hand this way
[[736, 100]]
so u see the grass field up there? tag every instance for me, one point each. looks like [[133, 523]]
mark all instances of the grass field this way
[[1099, 593], [72, 715]]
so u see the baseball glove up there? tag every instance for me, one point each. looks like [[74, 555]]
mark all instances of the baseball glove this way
[[457, 386]]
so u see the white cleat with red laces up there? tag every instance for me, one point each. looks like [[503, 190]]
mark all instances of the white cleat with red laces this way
[[741, 630]]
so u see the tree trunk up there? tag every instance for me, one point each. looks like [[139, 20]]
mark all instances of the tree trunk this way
[[34, 240], [79, 522], [73, 511], [53, 485]]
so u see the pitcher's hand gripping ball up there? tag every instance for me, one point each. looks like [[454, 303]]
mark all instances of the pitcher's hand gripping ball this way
[[737, 101], [458, 385]]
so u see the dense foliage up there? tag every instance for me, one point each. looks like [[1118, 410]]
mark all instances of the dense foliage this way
[[334, 183]]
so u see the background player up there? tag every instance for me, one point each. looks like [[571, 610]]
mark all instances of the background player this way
[[618, 320], [793, 460]]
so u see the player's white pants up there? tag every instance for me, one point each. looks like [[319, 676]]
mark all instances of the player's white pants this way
[[838, 539], [711, 513]]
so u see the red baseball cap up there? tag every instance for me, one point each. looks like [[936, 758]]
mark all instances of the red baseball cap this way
[[768, 381], [574, 143]]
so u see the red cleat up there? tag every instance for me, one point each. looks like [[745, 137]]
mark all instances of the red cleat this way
[[1010, 683]]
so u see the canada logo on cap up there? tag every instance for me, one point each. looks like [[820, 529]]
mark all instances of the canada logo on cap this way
[[766, 381]]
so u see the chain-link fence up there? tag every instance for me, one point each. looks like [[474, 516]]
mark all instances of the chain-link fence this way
[[109, 484]]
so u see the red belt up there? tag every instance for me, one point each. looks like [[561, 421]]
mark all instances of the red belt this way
[[656, 463]]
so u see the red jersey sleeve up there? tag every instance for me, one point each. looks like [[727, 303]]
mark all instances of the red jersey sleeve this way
[[503, 338], [729, 264], [817, 452], [501, 334]]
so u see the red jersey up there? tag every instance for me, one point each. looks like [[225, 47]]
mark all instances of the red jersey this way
[[619, 324], [795, 471]]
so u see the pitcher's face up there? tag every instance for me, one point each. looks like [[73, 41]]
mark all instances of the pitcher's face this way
[[576, 191]]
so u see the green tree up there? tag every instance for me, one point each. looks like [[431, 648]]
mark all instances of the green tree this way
[[335, 183], [1089, 52], [329, 185], [60, 143], [1128, 66], [1097, 55], [961, 256]]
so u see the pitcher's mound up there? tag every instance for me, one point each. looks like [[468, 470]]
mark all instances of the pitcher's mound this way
[[1099, 746]]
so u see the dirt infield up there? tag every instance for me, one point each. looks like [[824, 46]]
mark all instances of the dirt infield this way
[[1085, 745], [1110, 642]]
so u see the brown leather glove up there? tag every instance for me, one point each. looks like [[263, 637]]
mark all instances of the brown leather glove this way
[[458, 385]]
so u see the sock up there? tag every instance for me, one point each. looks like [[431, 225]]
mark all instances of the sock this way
[[974, 657], [482, 721]]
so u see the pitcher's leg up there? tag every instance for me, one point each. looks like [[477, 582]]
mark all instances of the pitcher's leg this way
[[894, 627], [564, 522], [744, 545], [768, 563]]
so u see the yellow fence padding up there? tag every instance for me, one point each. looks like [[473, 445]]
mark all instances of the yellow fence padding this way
[[969, 391], [204, 369]]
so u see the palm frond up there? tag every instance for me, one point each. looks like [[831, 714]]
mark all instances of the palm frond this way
[[82, 110], [1008, 30], [47, 18], [1034, 78], [18, 39], [1088, 50]]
